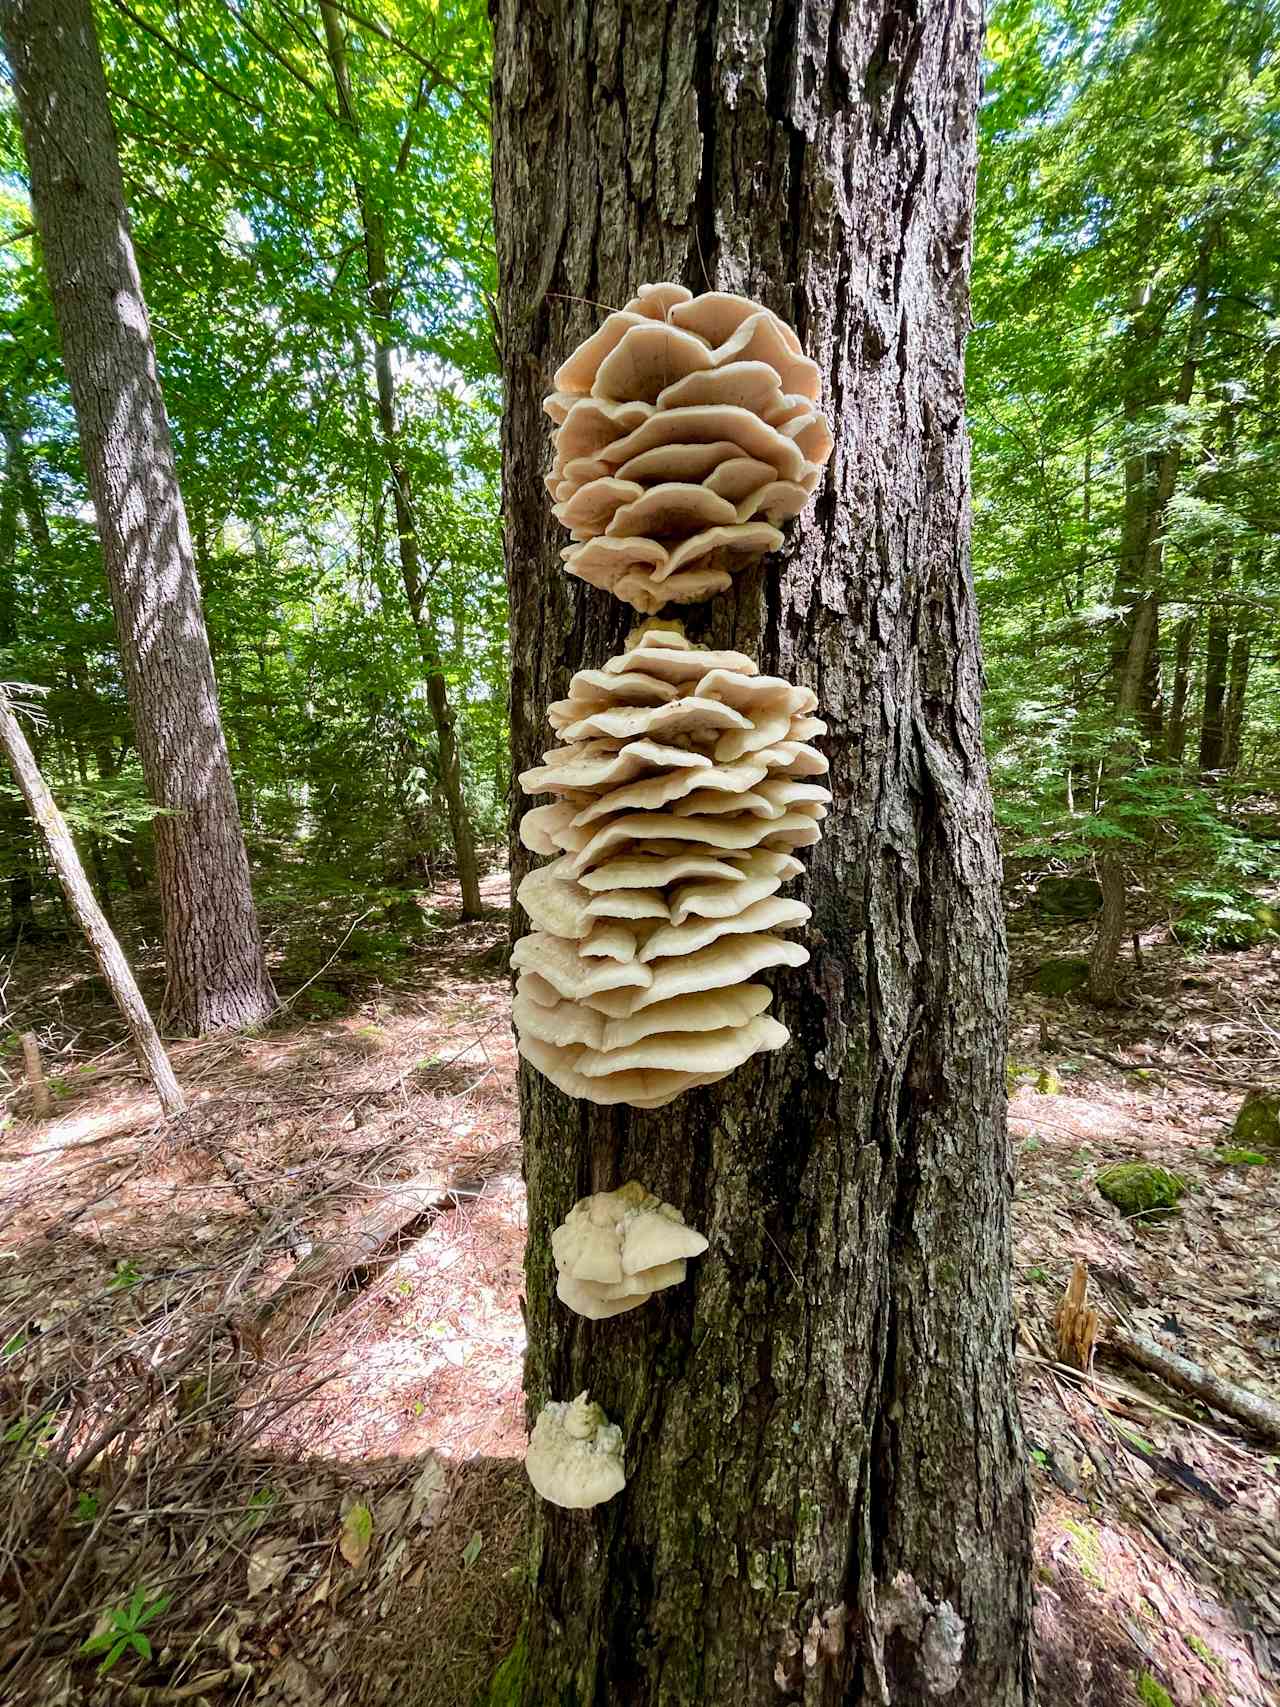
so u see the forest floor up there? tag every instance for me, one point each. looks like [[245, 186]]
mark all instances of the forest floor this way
[[260, 1377]]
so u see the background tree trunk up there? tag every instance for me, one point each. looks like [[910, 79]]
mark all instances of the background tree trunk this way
[[217, 974], [375, 247], [829, 1401]]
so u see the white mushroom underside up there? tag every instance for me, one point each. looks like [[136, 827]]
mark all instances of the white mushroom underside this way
[[687, 428], [684, 784]]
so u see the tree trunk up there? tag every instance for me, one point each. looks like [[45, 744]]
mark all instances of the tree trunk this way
[[1176, 735], [1104, 958], [1233, 717], [89, 916], [380, 303], [829, 1402], [216, 971]]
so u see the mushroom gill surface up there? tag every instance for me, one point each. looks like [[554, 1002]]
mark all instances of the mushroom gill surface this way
[[683, 784], [687, 430]]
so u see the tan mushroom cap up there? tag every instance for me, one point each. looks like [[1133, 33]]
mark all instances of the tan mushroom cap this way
[[720, 544], [701, 1052], [669, 656], [595, 505], [673, 507], [563, 1024], [638, 1089], [592, 423], [628, 904], [761, 872], [729, 781], [646, 360], [554, 901], [648, 871], [556, 960], [644, 592], [575, 1455], [657, 300], [615, 1249], [701, 1010], [698, 462], [708, 424], [762, 338], [776, 501], [679, 716], [607, 769], [716, 316], [611, 940], [548, 829], [577, 375], [772, 913], [724, 400], [587, 1300], [736, 477], [732, 960], [744, 385]]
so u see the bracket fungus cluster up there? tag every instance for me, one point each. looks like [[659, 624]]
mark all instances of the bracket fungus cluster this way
[[574, 1457], [688, 428], [616, 1249], [682, 786]]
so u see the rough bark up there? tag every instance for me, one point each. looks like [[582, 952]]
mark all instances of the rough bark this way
[[1150, 481], [1176, 730], [829, 1401], [1104, 956], [88, 914], [380, 303], [1237, 686], [216, 971]]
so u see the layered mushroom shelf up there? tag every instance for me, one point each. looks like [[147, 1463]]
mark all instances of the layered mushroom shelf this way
[[682, 786], [688, 428]]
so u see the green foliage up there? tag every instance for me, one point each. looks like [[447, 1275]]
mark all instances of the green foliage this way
[[241, 182], [1151, 1693], [1123, 152], [126, 1629], [1141, 1191]]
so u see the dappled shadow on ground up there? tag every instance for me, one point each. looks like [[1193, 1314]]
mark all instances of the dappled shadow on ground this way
[[392, 1382], [184, 1418], [1138, 1572]]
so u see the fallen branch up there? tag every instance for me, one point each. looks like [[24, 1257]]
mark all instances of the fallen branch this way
[[296, 1302], [1241, 1403]]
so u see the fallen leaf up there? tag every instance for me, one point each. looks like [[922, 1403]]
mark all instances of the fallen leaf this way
[[471, 1552], [357, 1535], [268, 1565], [428, 1491]]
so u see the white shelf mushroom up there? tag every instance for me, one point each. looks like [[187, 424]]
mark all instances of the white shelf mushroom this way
[[575, 1454], [683, 784], [614, 1250], [687, 428]]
